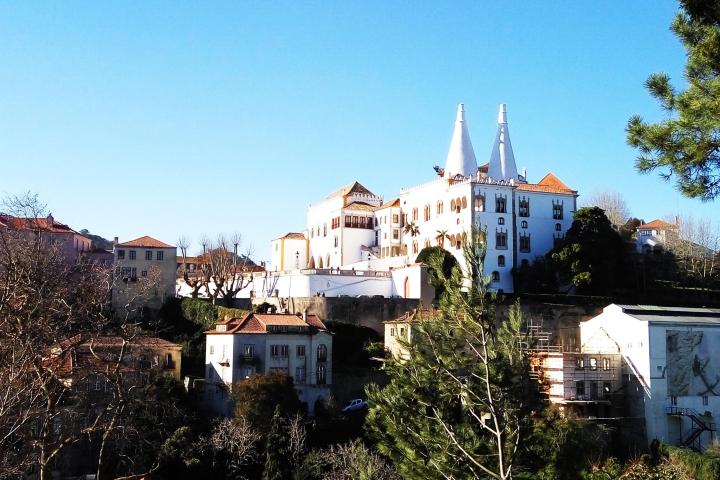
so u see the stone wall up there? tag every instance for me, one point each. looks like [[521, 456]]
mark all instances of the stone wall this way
[[363, 311]]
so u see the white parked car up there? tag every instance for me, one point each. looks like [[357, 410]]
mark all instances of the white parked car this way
[[357, 404]]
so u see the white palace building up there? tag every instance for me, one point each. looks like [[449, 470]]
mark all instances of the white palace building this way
[[355, 233]]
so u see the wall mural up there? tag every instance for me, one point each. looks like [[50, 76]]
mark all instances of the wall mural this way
[[693, 363]]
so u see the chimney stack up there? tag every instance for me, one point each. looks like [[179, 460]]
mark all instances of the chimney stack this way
[[305, 315], [115, 241]]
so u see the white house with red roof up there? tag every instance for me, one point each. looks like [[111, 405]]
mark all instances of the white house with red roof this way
[[299, 346], [144, 273], [652, 236], [353, 229]]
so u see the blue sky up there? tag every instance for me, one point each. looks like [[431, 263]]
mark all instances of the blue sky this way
[[191, 118]]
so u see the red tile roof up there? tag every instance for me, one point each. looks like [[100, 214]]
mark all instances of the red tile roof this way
[[147, 242], [360, 206], [549, 183], [657, 225], [258, 323], [354, 187], [391, 203], [293, 236], [47, 224]]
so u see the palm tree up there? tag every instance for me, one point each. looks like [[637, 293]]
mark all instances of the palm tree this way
[[441, 236], [412, 229]]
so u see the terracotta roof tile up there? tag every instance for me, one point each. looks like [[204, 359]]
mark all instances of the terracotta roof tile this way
[[47, 224], [361, 206], [391, 203], [145, 241], [657, 225], [258, 323], [293, 236], [549, 183], [354, 187]]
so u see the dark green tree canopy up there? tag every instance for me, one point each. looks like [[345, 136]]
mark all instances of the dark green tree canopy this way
[[686, 146], [257, 397], [591, 254]]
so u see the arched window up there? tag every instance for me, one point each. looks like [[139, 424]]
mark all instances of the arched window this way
[[501, 221], [501, 260], [452, 205], [414, 214], [464, 202], [327, 261], [480, 203], [523, 224], [311, 264], [558, 227], [426, 213], [322, 353], [320, 262], [495, 276], [458, 205], [439, 208]]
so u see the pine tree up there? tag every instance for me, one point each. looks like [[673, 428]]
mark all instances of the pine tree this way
[[687, 144], [277, 459], [459, 404]]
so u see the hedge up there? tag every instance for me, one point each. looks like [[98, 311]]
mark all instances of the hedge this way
[[699, 466]]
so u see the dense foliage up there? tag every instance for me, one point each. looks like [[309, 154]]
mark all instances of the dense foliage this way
[[685, 146], [460, 403]]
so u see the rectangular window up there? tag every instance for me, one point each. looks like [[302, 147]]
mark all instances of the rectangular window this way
[[396, 234], [396, 218], [524, 207], [300, 376], [143, 273], [593, 363], [392, 331], [580, 388], [347, 220], [480, 203], [579, 363], [148, 254], [673, 401], [131, 255], [159, 255], [300, 350], [557, 210], [354, 221], [606, 364], [212, 349], [501, 240], [279, 350], [121, 254], [524, 244], [705, 400], [248, 350], [500, 204], [247, 372]]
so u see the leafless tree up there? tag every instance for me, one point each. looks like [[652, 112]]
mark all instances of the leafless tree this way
[[238, 440], [44, 301], [196, 280], [695, 242], [612, 203], [227, 271], [49, 308], [350, 461], [297, 437]]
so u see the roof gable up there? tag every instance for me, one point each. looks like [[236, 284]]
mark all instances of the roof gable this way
[[657, 224], [549, 183], [354, 187]]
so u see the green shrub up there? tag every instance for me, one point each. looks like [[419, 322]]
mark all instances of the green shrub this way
[[200, 312], [223, 312], [699, 466]]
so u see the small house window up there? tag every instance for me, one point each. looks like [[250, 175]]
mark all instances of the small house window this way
[[523, 224], [558, 227], [495, 276], [501, 260], [501, 221]]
